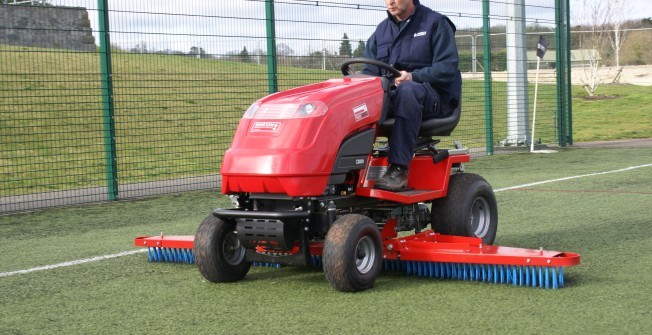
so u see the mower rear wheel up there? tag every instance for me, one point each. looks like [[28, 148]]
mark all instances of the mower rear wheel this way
[[352, 253], [218, 253], [469, 209]]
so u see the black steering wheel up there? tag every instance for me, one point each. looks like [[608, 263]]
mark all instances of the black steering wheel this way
[[347, 70]]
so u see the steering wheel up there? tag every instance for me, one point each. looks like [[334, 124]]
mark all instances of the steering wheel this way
[[347, 70]]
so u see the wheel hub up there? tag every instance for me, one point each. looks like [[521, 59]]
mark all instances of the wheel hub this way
[[365, 255], [233, 251], [480, 217]]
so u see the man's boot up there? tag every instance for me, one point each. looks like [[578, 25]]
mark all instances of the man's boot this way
[[394, 179]]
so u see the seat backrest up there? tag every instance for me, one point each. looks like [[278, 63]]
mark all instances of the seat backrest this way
[[429, 128]]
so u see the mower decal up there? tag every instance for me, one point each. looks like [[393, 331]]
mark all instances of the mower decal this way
[[360, 112], [268, 127]]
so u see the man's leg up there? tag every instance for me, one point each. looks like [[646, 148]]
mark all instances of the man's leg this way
[[411, 103]]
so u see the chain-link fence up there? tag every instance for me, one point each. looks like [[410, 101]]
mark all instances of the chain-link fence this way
[[112, 100]]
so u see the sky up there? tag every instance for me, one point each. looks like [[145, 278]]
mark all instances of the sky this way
[[226, 26]]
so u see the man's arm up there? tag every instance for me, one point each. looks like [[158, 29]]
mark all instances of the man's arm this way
[[445, 59], [370, 52]]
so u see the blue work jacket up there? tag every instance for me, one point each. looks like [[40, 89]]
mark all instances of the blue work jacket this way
[[423, 44]]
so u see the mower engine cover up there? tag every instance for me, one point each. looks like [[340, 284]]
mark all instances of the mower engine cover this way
[[287, 142]]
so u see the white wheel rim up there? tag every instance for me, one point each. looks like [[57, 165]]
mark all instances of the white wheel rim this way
[[365, 255], [480, 217]]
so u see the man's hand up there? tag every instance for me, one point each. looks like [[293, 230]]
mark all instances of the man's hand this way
[[405, 76]]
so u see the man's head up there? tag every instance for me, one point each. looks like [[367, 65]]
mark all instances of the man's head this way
[[400, 9]]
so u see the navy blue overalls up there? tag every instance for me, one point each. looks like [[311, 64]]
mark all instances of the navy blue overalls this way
[[423, 44]]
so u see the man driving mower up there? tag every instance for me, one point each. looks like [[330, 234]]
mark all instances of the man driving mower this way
[[420, 43]]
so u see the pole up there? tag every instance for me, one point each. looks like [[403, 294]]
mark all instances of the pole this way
[[567, 62], [517, 88], [272, 74], [474, 57], [534, 112], [486, 41], [108, 109]]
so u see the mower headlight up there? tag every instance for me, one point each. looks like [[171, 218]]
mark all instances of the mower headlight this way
[[311, 109], [306, 109]]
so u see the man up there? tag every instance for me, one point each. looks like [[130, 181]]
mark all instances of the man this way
[[420, 43]]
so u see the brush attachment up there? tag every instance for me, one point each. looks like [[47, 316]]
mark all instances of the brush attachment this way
[[427, 254], [518, 275], [169, 249], [433, 255]]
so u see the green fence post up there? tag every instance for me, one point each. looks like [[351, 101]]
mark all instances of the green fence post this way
[[563, 71], [272, 75], [569, 87], [107, 101], [488, 106]]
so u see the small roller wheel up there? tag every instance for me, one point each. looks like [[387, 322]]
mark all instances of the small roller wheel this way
[[469, 209], [218, 253], [352, 253]]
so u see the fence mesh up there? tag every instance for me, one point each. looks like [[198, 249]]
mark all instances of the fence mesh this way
[[183, 72]]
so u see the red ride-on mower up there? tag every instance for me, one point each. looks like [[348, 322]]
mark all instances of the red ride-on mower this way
[[301, 173]]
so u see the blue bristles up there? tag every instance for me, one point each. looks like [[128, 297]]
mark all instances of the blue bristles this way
[[266, 265], [170, 255], [534, 276]]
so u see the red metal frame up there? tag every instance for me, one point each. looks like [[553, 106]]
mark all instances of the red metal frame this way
[[162, 241], [427, 246], [428, 181]]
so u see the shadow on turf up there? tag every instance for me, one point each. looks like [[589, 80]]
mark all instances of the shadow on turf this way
[[314, 278]]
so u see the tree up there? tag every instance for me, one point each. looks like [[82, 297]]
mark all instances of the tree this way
[[359, 51], [345, 47], [197, 52], [619, 10], [595, 18], [283, 49], [244, 55]]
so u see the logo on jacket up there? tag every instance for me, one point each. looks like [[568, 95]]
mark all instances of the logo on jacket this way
[[423, 33]]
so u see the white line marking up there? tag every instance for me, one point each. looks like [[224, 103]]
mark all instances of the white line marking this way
[[572, 177], [71, 263], [131, 252]]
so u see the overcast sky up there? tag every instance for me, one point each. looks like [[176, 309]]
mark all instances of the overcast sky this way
[[227, 26]]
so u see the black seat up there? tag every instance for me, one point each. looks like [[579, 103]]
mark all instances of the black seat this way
[[429, 128]]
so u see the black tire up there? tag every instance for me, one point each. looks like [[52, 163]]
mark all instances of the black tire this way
[[352, 253], [218, 253], [469, 209]]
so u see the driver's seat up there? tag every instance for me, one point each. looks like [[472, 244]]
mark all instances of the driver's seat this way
[[429, 128]]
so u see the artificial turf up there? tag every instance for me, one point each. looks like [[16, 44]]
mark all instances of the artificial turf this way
[[605, 218]]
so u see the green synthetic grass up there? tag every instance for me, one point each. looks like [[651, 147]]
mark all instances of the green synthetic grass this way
[[605, 218]]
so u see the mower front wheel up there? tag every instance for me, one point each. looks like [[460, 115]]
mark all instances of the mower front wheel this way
[[352, 253], [469, 209], [218, 253]]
